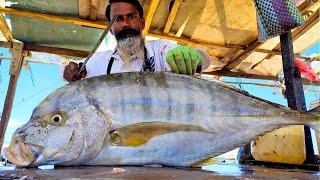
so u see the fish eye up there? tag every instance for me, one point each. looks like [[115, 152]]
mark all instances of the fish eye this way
[[56, 118]]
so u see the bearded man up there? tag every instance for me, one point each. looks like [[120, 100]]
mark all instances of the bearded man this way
[[132, 54]]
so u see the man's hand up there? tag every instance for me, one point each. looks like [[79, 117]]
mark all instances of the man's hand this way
[[184, 60], [71, 72]]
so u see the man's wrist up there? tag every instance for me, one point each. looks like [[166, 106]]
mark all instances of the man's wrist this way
[[206, 59]]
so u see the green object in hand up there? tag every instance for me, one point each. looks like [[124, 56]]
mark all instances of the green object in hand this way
[[184, 60]]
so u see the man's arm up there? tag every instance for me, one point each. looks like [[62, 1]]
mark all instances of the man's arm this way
[[96, 66], [72, 72]]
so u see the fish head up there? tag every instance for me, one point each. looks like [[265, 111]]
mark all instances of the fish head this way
[[65, 129]]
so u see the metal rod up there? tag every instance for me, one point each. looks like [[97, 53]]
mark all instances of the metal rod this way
[[105, 32]]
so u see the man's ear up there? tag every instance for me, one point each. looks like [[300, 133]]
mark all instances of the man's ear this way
[[143, 23]]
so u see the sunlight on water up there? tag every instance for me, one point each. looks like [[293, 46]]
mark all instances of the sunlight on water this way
[[229, 170], [7, 168]]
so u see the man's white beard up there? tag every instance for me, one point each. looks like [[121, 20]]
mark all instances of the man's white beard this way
[[129, 48]]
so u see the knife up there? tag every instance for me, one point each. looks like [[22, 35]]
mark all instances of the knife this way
[[103, 35]]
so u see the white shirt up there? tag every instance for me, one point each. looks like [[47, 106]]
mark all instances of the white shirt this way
[[98, 63]]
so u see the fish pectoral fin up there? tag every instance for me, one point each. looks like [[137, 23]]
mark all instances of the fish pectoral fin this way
[[140, 133]]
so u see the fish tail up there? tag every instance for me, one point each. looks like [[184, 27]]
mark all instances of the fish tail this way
[[315, 124]]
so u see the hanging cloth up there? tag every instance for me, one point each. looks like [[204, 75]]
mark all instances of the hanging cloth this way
[[275, 17]]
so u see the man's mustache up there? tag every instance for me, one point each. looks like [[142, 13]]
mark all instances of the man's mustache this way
[[129, 32]]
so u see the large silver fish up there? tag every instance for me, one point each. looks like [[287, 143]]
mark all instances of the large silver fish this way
[[145, 118]]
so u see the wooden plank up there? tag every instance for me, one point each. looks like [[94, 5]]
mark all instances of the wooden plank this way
[[183, 27], [236, 60], [241, 75], [172, 16], [278, 52], [267, 85], [272, 53], [4, 28], [93, 10], [185, 41], [252, 46], [254, 76], [5, 44], [218, 171], [151, 11], [58, 51], [83, 54], [51, 50], [16, 65], [294, 88], [101, 11], [60, 19], [84, 8], [103, 25]]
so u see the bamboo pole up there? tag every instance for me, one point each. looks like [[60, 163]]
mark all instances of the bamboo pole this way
[[5, 29], [93, 10], [172, 16], [151, 11]]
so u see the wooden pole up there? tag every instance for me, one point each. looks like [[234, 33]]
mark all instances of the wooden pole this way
[[15, 68], [294, 88]]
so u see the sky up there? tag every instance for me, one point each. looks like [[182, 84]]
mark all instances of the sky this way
[[34, 85]]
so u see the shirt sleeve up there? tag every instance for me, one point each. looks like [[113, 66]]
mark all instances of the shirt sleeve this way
[[164, 47], [206, 58], [90, 66]]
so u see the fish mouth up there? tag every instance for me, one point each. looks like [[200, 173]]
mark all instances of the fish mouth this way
[[21, 154]]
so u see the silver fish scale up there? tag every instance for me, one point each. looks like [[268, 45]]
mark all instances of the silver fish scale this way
[[139, 97]]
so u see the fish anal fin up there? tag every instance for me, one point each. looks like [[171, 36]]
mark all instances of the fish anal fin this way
[[140, 133]]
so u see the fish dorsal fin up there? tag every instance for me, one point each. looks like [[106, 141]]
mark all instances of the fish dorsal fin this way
[[140, 133]]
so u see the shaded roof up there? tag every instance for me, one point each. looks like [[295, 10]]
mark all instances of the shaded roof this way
[[226, 29], [48, 33]]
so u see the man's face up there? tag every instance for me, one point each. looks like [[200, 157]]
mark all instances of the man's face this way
[[129, 22]]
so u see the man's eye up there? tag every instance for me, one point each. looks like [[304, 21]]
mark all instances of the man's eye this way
[[132, 17]]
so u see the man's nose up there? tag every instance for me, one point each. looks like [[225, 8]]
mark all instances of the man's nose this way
[[126, 23]]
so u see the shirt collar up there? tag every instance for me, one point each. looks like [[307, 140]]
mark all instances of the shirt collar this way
[[150, 52]]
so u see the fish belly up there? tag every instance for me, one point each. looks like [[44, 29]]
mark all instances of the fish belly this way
[[172, 149]]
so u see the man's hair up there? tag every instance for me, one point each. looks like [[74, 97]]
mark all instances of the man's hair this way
[[136, 3]]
